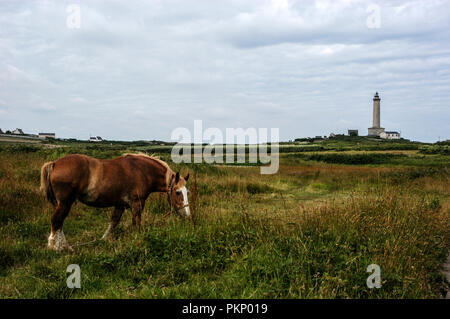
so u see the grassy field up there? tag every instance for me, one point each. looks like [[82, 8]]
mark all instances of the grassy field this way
[[309, 231]]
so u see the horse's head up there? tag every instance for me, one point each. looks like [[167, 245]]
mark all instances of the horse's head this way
[[179, 196]]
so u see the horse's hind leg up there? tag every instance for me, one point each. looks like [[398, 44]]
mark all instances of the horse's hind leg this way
[[136, 210], [115, 219], [57, 240]]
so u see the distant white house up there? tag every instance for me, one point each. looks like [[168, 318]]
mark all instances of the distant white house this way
[[18, 131], [95, 139], [47, 135], [390, 135]]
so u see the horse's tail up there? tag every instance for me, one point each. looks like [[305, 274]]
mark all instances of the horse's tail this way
[[46, 186]]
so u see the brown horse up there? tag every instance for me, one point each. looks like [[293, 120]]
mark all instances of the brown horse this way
[[123, 182]]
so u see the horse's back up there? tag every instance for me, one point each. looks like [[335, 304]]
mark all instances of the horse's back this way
[[72, 169], [105, 183]]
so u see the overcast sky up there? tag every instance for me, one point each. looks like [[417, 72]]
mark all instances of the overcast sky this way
[[139, 69]]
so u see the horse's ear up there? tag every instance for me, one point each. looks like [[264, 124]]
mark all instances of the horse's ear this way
[[177, 178], [187, 177]]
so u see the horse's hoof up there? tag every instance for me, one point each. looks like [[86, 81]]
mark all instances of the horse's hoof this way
[[57, 241], [108, 236], [55, 248]]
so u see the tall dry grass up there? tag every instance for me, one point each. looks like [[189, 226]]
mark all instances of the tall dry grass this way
[[309, 231]]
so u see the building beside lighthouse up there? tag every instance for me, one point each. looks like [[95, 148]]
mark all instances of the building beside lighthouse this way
[[390, 135]]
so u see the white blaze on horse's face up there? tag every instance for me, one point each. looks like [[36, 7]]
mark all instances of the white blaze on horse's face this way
[[185, 210]]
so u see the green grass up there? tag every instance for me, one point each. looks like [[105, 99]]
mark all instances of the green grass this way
[[310, 231], [371, 158]]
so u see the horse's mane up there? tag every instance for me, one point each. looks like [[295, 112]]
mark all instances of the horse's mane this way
[[149, 157]]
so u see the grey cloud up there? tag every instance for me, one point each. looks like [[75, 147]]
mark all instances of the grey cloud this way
[[141, 69]]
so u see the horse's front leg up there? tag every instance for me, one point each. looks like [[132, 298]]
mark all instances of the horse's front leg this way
[[115, 219]]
